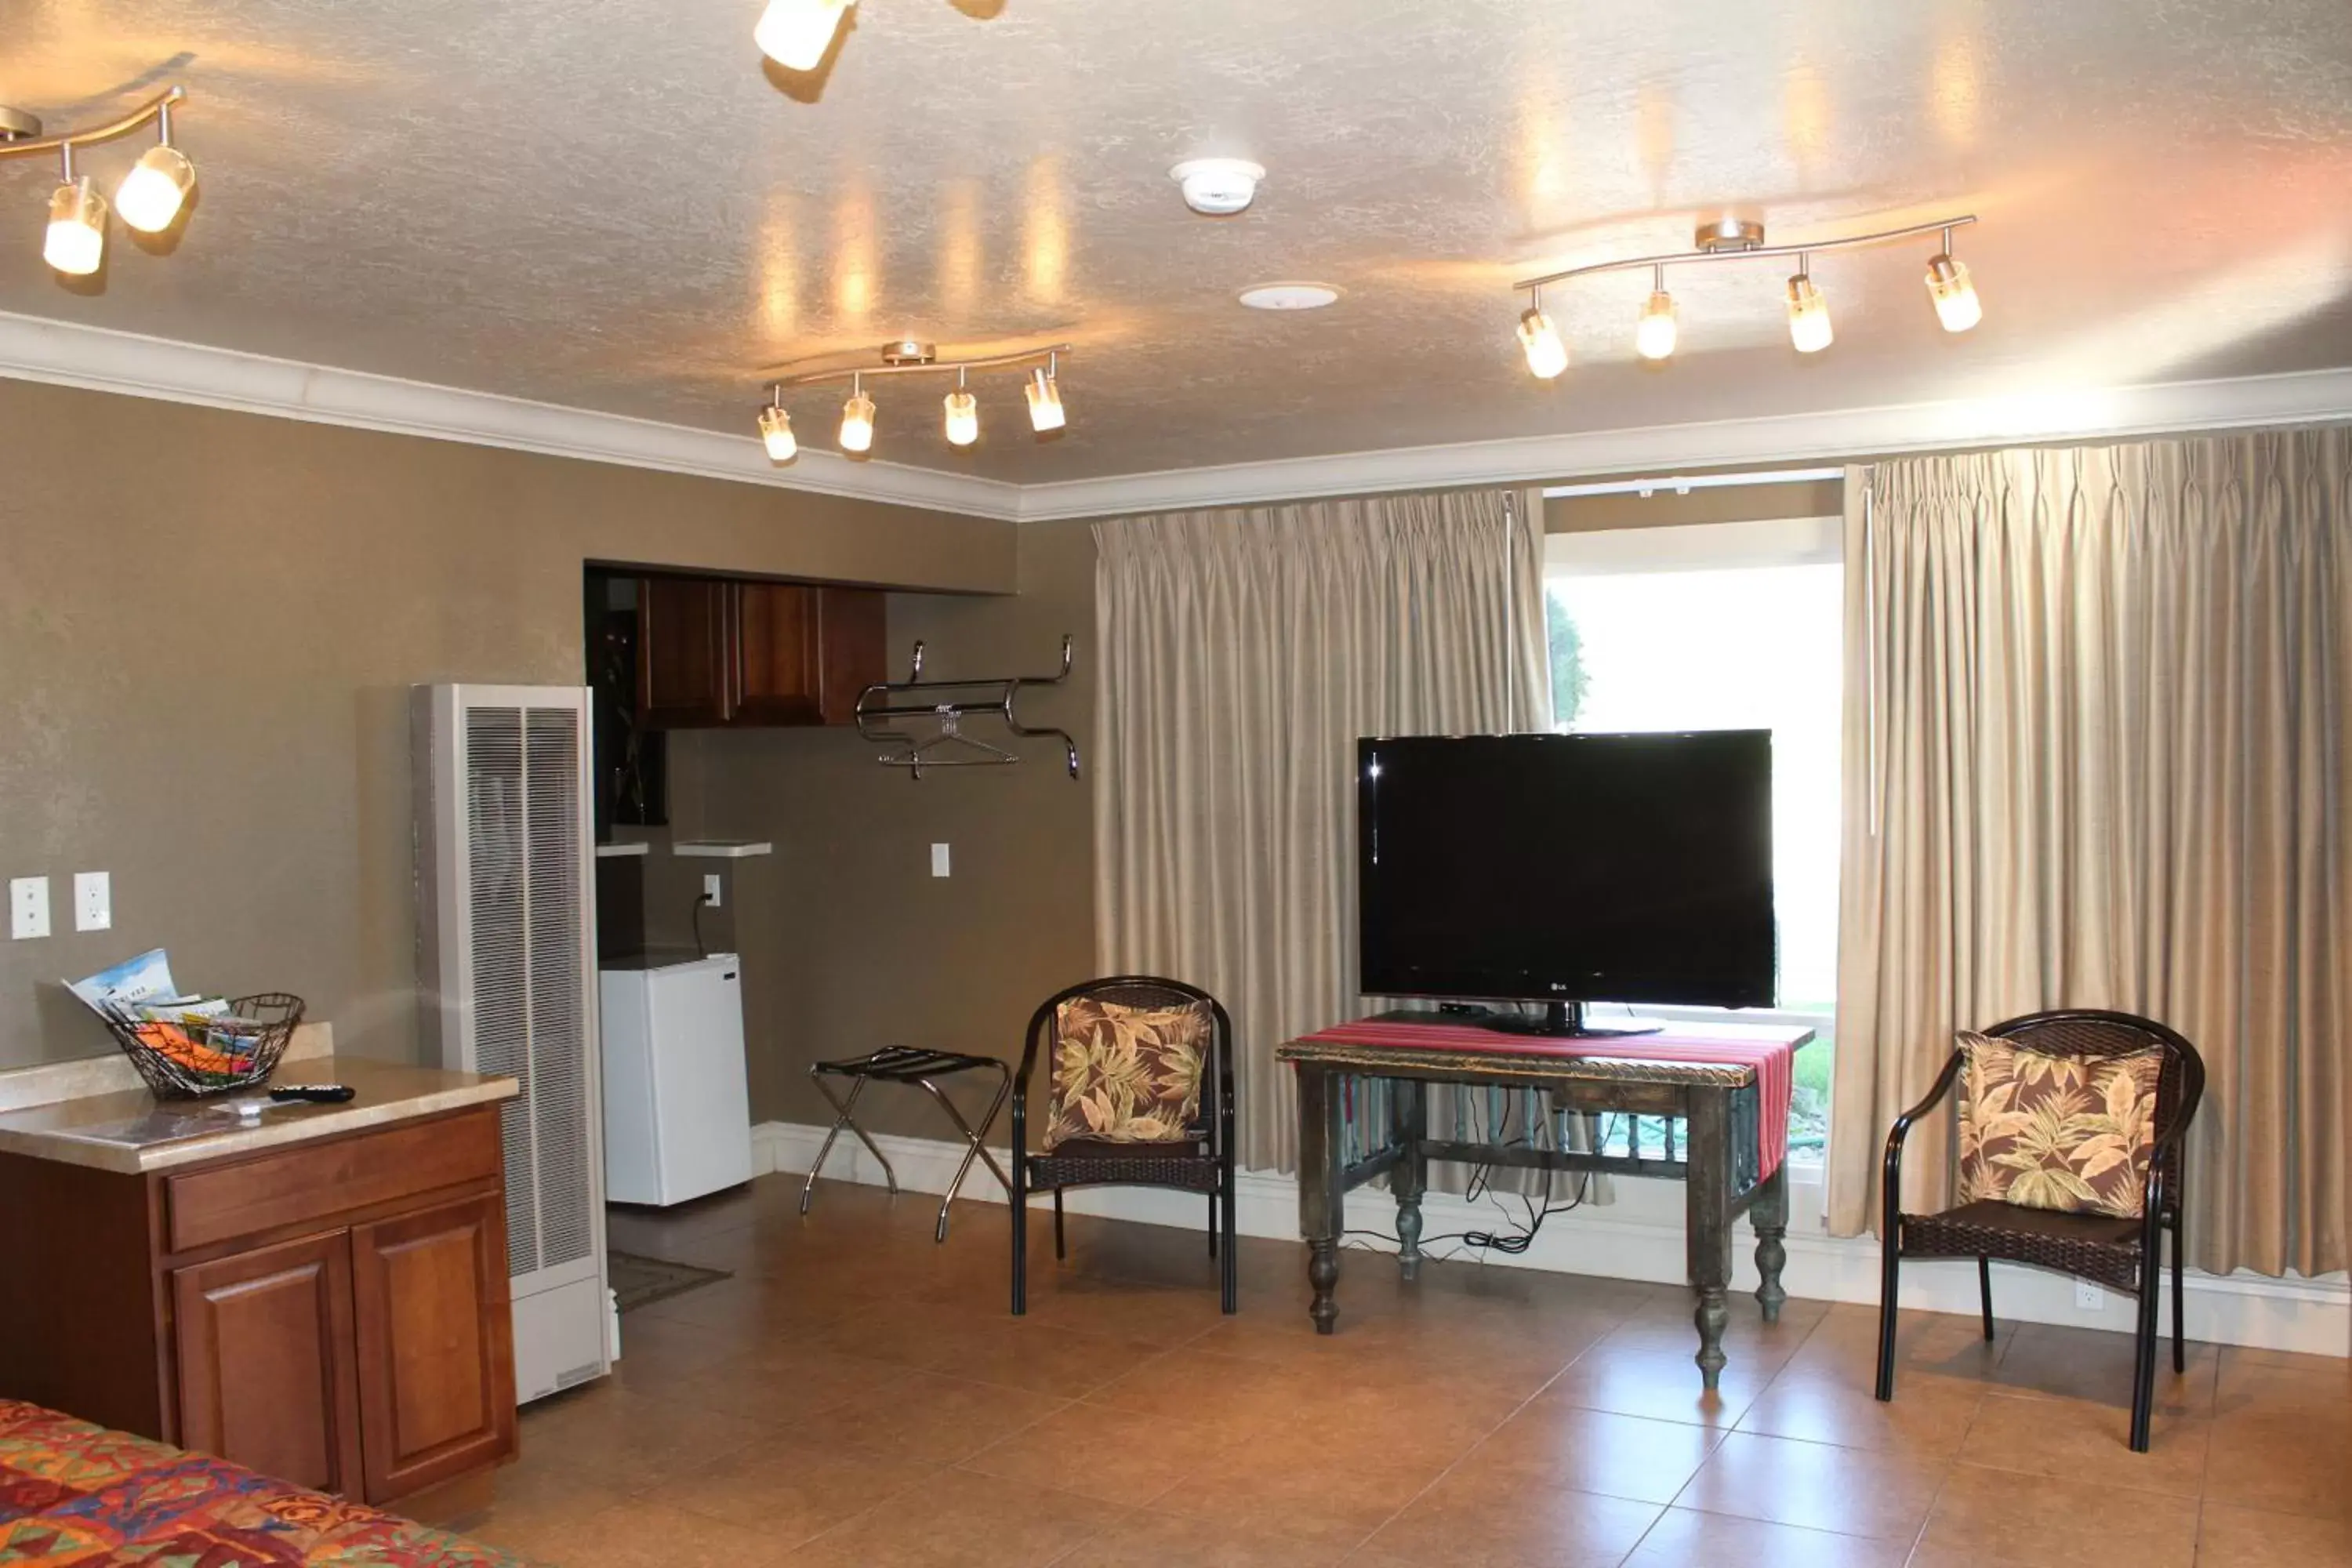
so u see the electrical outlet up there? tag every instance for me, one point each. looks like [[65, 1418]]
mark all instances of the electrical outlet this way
[[714, 889], [2089, 1297], [28, 906], [93, 901], [938, 859]]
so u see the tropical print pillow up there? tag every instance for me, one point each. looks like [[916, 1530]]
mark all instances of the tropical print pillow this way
[[1126, 1075], [2070, 1133]]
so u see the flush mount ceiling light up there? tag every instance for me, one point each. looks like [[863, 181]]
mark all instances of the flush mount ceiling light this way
[[960, 407], [1950, 288], [150, 199], [1290, 296], [1217, 187]]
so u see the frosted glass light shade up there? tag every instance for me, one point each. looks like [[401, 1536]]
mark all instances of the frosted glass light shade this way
[[962, 418], [1045, 403], [857, 424], [1955, 294], [1655, 337], [76, 239], [776, 435], [795, 34], [1808, 316], [1546, 355], [151, 195]]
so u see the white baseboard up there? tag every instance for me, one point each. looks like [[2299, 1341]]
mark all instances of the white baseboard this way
[[1637, 1236]]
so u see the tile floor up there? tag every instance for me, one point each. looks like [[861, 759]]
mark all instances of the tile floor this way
[[858, 1396]]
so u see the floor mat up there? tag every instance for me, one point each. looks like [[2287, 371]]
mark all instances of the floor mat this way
[[639, 1281]]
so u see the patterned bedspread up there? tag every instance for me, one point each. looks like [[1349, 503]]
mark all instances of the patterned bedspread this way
[[71, 1493]]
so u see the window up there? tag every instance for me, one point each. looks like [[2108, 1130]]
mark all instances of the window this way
[[1716, 626]]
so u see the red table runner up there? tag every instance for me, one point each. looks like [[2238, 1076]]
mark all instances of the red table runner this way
[[1770, 1051]]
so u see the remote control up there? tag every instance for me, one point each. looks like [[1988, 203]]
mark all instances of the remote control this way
[[313, 1093]]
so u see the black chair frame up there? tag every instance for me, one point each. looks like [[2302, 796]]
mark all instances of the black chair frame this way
[[1204, 1165], [2082, 1246]]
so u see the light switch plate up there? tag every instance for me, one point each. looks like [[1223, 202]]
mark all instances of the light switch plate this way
[[714, 889], [93, 901], [28, 906], [938, 859]]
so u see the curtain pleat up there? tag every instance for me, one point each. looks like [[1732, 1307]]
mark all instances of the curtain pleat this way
[[2095, 755], [1244, 652]]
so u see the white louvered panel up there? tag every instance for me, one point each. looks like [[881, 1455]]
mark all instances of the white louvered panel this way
[[559, 1038], [496, 854]]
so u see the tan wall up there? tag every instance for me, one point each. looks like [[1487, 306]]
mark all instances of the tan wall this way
[[849, 942], [208, 626]]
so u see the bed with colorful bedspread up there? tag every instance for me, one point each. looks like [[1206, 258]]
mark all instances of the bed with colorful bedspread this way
[[72, 1493]]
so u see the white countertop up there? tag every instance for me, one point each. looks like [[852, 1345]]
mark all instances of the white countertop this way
[[109, 1131]]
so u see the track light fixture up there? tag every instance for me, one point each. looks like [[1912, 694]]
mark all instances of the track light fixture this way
[[795, 34], [1949, 287], [150, 198], [959, 409], [1044, 394], [776, 429], [1653, 338], [1539, 340], [1808, 313]]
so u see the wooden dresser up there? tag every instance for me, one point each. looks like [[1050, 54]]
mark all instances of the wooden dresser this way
[[322, 1297]]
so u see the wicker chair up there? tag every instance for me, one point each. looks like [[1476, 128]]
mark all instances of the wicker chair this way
[[1204, 1165], [2122, 1254]]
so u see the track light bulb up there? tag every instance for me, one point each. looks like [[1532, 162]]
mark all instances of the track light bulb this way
[[1546, 355], [1954, 293], [76, 239], [1808, 316], [776, 433], [1044, 394], [795, 34], [963, 417], [151, 195], [1655, 337], [857, 423]]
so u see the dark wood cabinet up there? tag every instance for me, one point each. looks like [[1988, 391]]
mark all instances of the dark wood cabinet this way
[[719, 651], [332, 1312], [266, 1367], [436, 1390], [684, 654]]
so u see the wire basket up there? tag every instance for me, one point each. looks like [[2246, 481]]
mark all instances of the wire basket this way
[[196, 1056]]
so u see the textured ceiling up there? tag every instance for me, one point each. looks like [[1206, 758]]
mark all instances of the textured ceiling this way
[[617, 206]]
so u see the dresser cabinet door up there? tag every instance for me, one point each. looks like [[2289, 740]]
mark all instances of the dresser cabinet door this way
[[435, 1345], [266, 1375]]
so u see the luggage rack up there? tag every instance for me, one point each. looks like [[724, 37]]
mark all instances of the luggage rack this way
[[906, 1063]]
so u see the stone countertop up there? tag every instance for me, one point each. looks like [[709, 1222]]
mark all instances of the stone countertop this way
[[133, 1132]]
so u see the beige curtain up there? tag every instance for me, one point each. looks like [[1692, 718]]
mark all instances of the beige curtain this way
[[1242, 654], [2096, 754]]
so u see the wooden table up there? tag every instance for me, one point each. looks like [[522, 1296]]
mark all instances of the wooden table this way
[[1721, 1162]]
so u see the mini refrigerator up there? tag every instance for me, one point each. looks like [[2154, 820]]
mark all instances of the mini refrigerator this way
[[677, 1111]]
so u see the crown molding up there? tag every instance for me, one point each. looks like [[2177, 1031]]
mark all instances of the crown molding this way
[[2299, 398], [98, 359]]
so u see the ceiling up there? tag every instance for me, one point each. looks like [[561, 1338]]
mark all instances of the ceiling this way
[[618, 206]]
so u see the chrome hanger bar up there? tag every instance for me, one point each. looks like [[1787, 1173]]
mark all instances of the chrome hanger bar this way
[[875, 712], [1695, 257], [154, 108], [929, 367]]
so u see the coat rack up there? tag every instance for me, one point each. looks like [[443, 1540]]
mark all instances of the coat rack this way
[[947, 746]]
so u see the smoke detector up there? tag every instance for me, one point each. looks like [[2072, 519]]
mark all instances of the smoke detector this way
[[1217, 186], [1290, 296]]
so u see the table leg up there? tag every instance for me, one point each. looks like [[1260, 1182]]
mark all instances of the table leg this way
[[1321, 1188], [1707, 1222], [1770, 1214], [1409, 1126]]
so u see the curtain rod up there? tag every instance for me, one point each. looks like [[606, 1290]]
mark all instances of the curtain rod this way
[[1683, 484]]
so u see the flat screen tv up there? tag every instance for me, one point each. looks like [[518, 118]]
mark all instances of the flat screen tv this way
[[1568, 870]]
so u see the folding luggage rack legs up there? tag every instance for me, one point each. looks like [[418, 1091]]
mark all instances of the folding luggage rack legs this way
[[905, 1064]]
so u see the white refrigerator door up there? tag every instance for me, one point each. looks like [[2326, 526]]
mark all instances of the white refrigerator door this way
[[702, 1104]]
